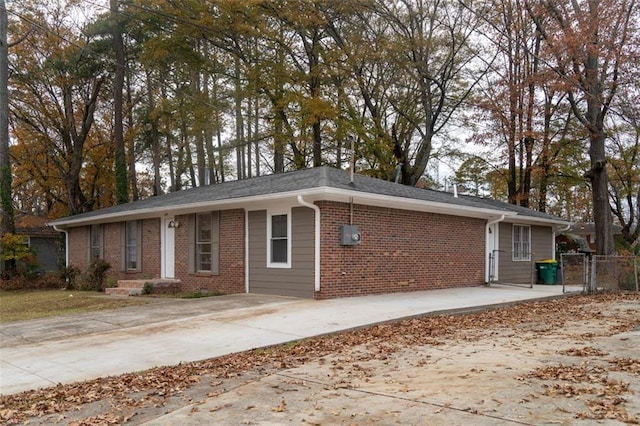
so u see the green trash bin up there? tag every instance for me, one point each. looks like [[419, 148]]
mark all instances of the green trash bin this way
[[547, 270]]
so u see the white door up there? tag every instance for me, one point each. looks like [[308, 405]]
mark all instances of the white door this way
[[492, 253], [168, 247]]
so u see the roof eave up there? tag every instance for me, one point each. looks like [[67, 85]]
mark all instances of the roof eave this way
[[314, 194]]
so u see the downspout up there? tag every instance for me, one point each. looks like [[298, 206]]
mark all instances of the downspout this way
[[246, 251], [486, 232], [316, 209], [66, 244]]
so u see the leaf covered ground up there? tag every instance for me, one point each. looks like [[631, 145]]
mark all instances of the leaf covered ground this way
[[560, 361]]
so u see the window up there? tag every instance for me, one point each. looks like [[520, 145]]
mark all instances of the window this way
[[521, 242], [95, 242], [131, 245], [279, 247], [203, 242]]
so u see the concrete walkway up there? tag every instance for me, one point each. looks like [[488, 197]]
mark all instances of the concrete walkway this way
[[42, 353]]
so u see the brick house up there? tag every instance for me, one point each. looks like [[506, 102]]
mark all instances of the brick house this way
[[313, 233]]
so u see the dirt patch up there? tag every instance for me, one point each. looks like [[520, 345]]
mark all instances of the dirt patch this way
[[556, 362]]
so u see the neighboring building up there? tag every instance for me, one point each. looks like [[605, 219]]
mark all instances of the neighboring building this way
[[44, 241], [313, 233], [574, 238]]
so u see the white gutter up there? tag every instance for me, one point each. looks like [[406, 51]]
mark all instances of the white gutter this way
[[246, 251], [324, 192], [500, 219], [66, 244], [316, 209]]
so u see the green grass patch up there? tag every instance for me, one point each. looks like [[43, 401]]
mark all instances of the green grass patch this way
[[24, 305]]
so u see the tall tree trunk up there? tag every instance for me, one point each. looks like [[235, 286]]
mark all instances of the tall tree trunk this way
[[156, 154], [130, 143], [256, 128], [237, 97], [597, 174], [122, 187], [208, 133], [7, 224], [249, 135], [6, 199], [198, 129]]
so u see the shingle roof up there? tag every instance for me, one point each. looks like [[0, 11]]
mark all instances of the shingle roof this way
[[307, 179]]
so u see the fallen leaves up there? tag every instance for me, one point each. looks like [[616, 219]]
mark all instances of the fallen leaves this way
[[347, 355], [584, 352], [626, 364], [280, 408]]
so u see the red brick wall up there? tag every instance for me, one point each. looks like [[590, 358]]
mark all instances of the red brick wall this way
[[231, 276], [230, 279], [78, 246], [400, 251]]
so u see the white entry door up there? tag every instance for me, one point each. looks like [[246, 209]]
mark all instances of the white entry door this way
[[492, 253], [168, 248]]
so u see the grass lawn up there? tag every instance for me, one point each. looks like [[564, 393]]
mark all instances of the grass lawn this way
[[23, 305]]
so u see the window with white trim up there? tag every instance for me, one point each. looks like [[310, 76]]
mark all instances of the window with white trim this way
[[279, 240], [203, 242], [521, 243], [131, 245], [95, 242]]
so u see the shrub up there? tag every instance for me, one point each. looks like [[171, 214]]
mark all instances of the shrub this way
[[18, 257], [69, 275], [93, 278], [148, 288], [43, 281]]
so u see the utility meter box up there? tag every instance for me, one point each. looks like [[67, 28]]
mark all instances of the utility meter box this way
[[349, 235]]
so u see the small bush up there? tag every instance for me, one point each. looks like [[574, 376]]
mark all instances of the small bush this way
[[93, 279], [68, 275], [199, 293], [43, 281], [19, 258], [111, 282], [147, 288]]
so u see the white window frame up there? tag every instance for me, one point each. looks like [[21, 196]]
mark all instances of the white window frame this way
[[96, 230], [201, 243], [131, 249], [270, 214], [518, 244]]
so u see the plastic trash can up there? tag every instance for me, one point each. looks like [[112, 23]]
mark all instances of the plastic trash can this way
[[547, 270]]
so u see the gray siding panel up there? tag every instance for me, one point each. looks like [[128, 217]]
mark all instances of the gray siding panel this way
[[297, 281], [520, 271]]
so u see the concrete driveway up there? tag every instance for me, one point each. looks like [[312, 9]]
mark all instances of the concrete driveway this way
[[42, 353]]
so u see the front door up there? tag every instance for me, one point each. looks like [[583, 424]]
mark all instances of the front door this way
[[168, 247], [492, 253]]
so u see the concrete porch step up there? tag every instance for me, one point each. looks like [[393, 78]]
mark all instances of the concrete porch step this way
[[135, 287], [122, 291]]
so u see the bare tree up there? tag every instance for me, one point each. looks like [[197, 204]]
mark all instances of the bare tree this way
[[590, 42]]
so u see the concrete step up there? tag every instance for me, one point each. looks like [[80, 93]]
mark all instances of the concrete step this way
[[133, 283], [135, 287], [122, 291]]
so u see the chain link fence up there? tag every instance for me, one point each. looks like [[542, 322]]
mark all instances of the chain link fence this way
[[599, 273], [617, 273], [574, 271]]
